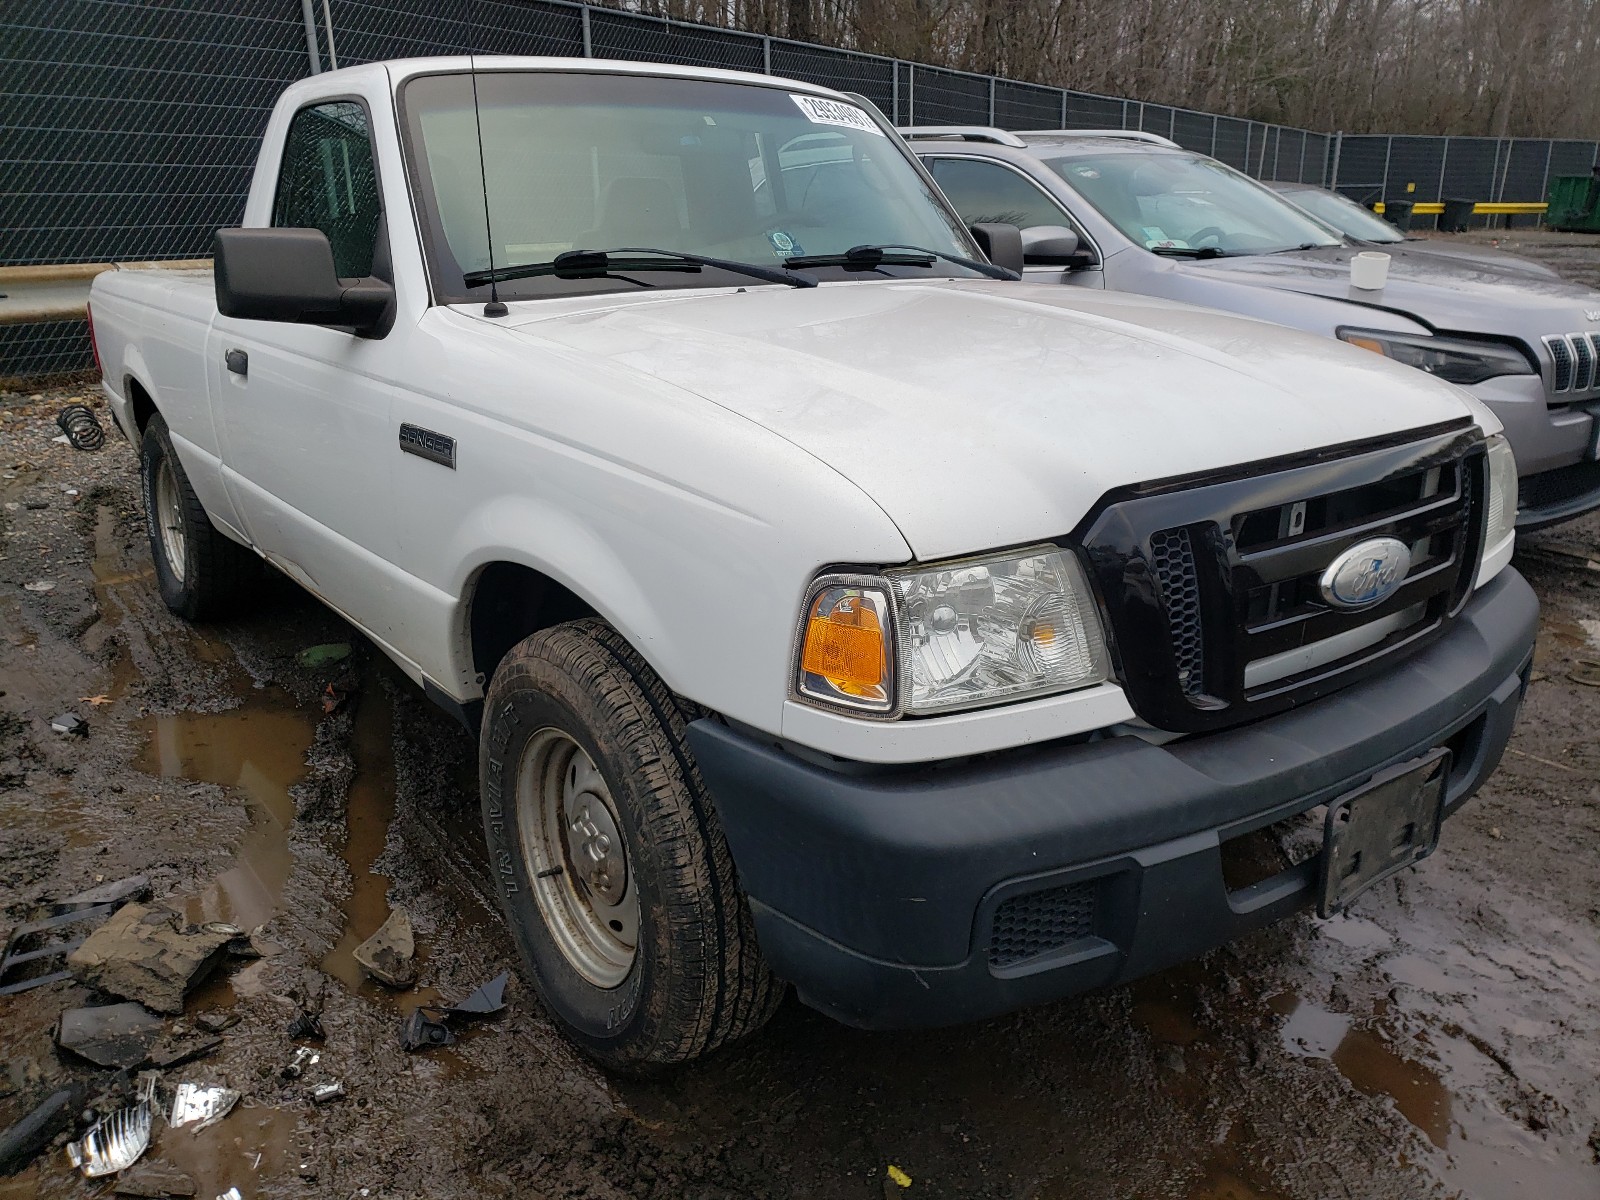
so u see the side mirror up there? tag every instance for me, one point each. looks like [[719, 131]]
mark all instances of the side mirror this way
[[1002, 244], [1049, 245], [288, 275]]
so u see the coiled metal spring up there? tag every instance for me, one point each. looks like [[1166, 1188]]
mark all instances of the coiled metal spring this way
[[81, 427]]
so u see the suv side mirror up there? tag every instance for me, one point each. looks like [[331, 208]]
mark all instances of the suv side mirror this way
[[288, 275], [1002, 243], [1049, 245]]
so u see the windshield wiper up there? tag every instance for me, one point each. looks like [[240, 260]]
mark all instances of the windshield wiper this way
[[883, 256], [593, 264], [1189, 251]]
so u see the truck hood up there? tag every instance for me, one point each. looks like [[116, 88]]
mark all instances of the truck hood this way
[[981, 415], [1456, 295]]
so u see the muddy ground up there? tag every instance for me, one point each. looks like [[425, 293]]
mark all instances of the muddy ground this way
[[1443, 1041]]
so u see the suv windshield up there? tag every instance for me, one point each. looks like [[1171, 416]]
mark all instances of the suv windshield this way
[[602, 162], [1168, 200], [1344, 214]]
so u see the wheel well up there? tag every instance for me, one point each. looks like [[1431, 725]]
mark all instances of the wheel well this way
[[511, 601], [143, 406]]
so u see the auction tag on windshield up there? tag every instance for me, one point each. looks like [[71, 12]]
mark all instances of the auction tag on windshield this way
[[820, 111]]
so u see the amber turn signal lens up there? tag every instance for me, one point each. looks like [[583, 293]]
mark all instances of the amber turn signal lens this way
[[845, 652], [1368, 344], [846, 646]]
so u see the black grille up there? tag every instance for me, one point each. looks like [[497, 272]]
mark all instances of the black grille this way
[[1561, 355], [1212, 589], [1583, 369], [1561, 486], [1036, 923], [1172, 556]]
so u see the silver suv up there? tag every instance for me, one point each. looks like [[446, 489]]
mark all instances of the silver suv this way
[[1134, 212]]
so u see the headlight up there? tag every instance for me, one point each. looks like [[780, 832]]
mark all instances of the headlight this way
[[1452, 359], [951, 636], [1502, 520], [984, 630]]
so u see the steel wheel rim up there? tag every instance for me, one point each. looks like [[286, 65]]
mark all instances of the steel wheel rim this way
[[573, 848], [169, 520]]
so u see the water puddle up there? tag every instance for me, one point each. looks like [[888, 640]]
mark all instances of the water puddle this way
[[259, 749], [1485, 1152], [255, 1148], [368, 814]]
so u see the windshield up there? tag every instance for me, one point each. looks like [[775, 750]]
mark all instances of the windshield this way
[[1173, 201], [1345, 215], [604, 162]]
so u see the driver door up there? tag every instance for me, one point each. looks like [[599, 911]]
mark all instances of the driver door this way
[[302, 412]]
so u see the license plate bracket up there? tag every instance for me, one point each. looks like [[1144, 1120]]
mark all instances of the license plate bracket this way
[[1390, 823]]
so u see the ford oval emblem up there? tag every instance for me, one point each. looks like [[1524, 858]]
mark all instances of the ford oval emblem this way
[[1367, 573]]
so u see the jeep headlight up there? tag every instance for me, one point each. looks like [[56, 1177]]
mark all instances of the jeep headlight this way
[[1500, 525], [964, 634], [1455, 360]]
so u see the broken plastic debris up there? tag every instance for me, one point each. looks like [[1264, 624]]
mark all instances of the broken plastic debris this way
[[899, 1176], [485, 1002], [304, 1057], [114, 1142], [205, 1105], [40, 585], [154, 1180], [70, 723], [325, 1093], [231, 1194], [142, 954], [29, 942], [387, 955], [419, 1031], [321, 656], [112, 1035], [22, 1143], [308, 1026]]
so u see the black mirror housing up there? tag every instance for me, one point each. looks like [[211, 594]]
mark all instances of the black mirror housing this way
[[1001, 243], [1053, 245], [288, 275]]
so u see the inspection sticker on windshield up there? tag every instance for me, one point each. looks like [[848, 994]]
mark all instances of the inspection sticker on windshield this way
[[833, 112]]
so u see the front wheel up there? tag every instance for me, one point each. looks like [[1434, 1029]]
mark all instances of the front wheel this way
[[610, 865]]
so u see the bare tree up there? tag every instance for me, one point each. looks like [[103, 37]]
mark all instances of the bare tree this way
[[1496, 67]]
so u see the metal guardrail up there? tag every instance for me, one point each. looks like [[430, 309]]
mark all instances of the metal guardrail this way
[[1434, 208]]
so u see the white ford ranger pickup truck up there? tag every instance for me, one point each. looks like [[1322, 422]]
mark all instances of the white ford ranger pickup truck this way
[[831, 609]]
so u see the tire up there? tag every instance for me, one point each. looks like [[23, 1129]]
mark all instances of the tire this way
[[202, 573], [573, 712]]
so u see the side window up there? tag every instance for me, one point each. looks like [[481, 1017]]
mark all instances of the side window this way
[[327, 182], [984, 191]]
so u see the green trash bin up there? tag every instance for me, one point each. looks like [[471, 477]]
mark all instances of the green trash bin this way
[[1456, 215], [1574, 204]]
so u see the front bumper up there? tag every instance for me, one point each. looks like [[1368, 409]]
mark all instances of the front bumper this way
[[896, 897], [1558, 479]]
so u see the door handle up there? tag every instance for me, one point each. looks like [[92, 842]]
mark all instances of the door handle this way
[[238, 362]]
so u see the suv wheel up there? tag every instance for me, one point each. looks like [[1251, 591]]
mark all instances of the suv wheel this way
[[608, 859], [201, 572]]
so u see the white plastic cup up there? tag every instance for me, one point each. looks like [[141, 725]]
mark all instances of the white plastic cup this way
[[1369, 270]]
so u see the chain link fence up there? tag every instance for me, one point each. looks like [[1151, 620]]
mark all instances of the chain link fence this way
[[128, 128]]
